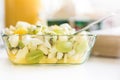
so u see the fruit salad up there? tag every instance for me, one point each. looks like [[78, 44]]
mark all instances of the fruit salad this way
[[33, 44]]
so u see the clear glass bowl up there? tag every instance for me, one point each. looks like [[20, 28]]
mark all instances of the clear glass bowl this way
[[45, 49]]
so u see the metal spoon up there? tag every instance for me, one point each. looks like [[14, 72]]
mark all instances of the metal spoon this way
[[93, 23]]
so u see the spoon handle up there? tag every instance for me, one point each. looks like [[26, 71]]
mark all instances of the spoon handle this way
[[93, 23]]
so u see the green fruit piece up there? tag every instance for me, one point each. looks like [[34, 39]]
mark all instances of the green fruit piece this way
[[30, 31], [81, 47], [64, 46], [34, 56], [59, 32], [35, 31], [21, 45]]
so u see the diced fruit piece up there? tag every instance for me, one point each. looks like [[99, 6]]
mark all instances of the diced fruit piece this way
[[52, 60], [47, 44], [63, 38], [12, 28], [51, 55], [77, 59], [11, 56], [34, 56], [58, 30], [33, 30], [71, 60], [65, 25], [32, 46], [22, 24], [21, 54], [43, 28], [53, 50], [20, 30], [60, 61], [67, 28], [54, 39], [7, 31], [21, 61], [43, 49], [71, 53], [13, 40], [26, 39], [59, 55], [21, 45], [33, 43], [64, 46], [14, 51], [65, 58], [30, 31], [43, 60], [81, 46], [50, 32], [77, 56], [36, 41]]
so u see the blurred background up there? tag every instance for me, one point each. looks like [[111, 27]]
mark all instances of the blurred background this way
[[78, 13], [58, 10]]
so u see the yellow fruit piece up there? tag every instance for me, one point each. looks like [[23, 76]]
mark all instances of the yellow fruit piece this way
[[71, 60], [52, 60], [60, 61], [21, 31], [20, 61], [11, 56], [13, 59], [43, 60]]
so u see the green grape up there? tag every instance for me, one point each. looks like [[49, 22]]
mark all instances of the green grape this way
[[34, 56], [21, 45], [64, 46]]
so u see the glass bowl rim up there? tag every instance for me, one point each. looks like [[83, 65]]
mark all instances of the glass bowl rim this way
[[87, 34]]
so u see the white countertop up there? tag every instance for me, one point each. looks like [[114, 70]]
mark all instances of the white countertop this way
[[94, 69]]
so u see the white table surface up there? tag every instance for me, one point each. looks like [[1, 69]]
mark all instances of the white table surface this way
[[94, 69]]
